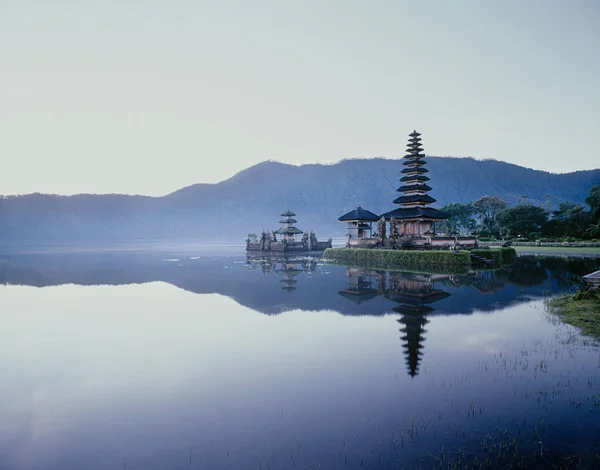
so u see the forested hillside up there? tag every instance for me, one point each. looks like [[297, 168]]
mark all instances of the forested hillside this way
[[253, 199]]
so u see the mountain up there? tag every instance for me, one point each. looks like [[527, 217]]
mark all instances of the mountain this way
[[253, 199]]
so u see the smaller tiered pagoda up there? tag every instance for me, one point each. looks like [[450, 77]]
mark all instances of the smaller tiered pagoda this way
[[288, 241], [288, 231]]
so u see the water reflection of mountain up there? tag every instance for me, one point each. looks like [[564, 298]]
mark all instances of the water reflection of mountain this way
[[271, 285]]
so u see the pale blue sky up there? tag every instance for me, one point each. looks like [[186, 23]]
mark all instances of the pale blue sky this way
[[149, 96]]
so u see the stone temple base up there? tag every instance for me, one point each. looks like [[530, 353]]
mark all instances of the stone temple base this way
[[416, 242]]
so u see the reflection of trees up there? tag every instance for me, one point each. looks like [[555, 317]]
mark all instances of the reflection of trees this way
[[529, 271]]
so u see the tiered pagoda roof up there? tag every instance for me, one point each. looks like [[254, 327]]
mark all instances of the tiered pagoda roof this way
[[288, 221], [414, 199]]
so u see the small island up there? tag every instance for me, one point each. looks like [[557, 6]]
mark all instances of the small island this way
[[413, 224], [289, 239], [408, 236]]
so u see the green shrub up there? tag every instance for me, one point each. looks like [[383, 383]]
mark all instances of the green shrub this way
[[534, 235], [509, 255], [413, 260]]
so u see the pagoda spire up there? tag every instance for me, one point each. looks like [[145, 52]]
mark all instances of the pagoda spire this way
[[414, 190], [414, 217]]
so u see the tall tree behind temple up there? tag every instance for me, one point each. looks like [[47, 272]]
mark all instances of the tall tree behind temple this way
[[488, 208], [569, 220], [461, 218], [593, 201], [522, 219]]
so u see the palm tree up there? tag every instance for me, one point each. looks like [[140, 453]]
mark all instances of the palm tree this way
[[594, 229]]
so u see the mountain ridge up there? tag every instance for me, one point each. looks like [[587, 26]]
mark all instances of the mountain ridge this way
[[252, 199]]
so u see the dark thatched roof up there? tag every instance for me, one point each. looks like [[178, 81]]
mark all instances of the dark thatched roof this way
[[419, 171], [415, 162], [414, 134], [425, 198], [416, 213], [359, 214], [288, 231], [288, 213], [288, 221], [406, 179], [413, 187], [358, 297]]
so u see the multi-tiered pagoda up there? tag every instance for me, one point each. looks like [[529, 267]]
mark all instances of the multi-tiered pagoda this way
[[414, 217], [288, 231]]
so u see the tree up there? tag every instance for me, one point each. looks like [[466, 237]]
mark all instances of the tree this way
[[487, 208], [567, 211], [522, 218], [570, 219], [461, 217], [593, 230], [593, 201]]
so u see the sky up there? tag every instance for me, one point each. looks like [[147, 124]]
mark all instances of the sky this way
[[148, 96]]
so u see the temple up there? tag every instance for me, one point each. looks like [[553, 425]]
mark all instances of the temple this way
[[289, 240], [413, 223]]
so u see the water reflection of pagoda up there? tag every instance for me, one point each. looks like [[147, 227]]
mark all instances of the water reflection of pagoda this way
[[360, 285], [412, 292], [286, 266], [413, 339]]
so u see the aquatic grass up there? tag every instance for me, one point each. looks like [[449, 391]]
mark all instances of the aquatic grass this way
[[582, 313], [431, 261]]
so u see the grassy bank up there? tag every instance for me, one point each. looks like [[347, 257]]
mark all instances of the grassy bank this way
[[555, 250], [583, 313], [413, 260]]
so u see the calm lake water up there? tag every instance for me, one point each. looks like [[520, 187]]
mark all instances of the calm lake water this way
[[206, 359]]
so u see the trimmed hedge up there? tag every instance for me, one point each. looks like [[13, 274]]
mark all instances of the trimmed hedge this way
[[509, 255], [429, 261]]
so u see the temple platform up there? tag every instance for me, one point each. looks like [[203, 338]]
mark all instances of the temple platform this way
[[417, 242]]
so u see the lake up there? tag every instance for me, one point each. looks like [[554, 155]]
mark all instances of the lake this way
[[204, 358]]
